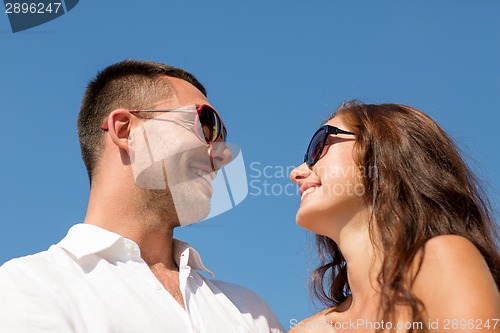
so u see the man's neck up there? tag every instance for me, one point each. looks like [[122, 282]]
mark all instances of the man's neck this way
[[155, 243], [150, 231], [156, 246]]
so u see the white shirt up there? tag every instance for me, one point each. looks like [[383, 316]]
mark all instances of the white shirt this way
[[95, 281]]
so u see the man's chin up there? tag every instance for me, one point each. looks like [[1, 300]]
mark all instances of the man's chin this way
[[187, 203], [187, 216], [194, 214]]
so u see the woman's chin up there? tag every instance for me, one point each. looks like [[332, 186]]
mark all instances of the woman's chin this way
[[309, 222]]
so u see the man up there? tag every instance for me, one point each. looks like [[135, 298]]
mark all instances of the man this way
[[152, 145]]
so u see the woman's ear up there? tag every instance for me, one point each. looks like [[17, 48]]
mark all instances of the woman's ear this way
[[119, 127]]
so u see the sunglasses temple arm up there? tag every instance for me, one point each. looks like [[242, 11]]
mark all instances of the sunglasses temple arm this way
[[339, 131]]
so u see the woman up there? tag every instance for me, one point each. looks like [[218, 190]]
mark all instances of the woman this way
[[404, 234]]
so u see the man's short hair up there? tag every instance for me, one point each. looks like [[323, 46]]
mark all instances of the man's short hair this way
[[130, 84]]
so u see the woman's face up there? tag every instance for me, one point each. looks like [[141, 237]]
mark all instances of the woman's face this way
[[331, 191]]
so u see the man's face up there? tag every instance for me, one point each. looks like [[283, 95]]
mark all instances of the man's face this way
[[168, 155]]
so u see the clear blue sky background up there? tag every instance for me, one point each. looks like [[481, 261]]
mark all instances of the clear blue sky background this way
[[274, 70]]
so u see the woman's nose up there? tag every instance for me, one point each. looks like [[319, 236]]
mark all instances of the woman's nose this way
[[300, 173]]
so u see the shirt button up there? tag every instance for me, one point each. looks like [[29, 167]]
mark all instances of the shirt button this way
[[157, 287]]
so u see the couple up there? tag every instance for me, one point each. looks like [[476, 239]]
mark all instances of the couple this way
[[414, 245]]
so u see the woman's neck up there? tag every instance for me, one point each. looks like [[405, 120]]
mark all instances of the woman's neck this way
[[363, 265]]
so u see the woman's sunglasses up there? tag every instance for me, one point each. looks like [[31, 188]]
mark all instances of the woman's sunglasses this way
[[209, 126], [315, 149]]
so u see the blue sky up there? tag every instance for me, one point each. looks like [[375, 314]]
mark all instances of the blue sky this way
[[274, 71]]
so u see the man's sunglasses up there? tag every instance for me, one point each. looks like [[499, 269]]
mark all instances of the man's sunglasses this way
[[209, 129], [318, 142]]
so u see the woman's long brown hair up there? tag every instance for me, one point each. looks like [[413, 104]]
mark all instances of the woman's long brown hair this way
[[418, 187]]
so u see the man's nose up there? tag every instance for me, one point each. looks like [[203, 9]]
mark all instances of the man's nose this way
[[300, 173], [220, 154]]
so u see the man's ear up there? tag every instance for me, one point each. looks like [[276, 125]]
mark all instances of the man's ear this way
[[119, 127]]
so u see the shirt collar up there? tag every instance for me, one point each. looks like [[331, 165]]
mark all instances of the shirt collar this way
[[86, 239], [186, 256]]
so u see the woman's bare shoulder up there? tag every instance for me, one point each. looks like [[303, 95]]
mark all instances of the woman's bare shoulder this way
[[452, 254], [454, 280]]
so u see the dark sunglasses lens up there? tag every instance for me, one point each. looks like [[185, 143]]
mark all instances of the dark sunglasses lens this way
[[224, 133], [211, 125], [315, 147]]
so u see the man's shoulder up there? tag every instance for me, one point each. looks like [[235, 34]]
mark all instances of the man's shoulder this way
[[19, 262], [38, 264], [30, 289], [237, 293], [249, 302]]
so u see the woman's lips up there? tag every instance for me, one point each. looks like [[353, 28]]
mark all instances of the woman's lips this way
[[308, 188]]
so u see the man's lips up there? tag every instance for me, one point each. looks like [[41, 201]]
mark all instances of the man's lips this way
[[203, 176], [203, 170]]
